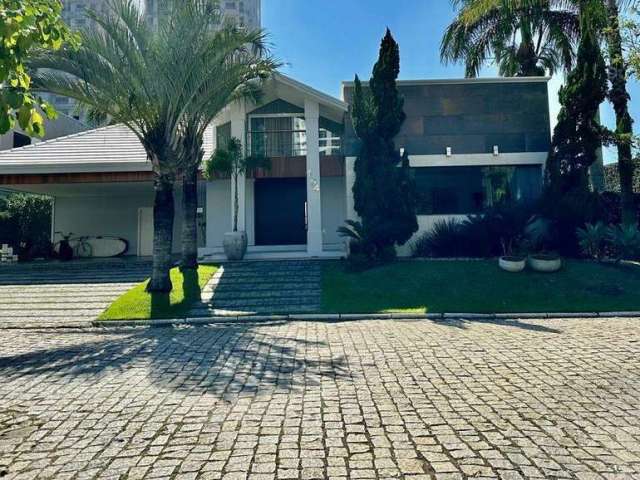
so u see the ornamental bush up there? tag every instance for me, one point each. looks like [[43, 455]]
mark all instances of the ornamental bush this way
[[25, 224]]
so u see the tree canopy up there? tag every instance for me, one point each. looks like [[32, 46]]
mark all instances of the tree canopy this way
[[27, 26]]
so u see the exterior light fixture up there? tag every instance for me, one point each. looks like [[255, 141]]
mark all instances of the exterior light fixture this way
[[449, 151], [496, 151]]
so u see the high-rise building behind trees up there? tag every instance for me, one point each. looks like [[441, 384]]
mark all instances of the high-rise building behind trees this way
[[245, 12]]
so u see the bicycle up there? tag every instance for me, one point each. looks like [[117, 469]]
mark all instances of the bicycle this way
[[82, 248]]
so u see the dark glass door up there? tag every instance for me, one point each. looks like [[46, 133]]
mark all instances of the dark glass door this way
[[280, 211]]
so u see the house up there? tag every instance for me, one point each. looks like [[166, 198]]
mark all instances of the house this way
[[471, 142]]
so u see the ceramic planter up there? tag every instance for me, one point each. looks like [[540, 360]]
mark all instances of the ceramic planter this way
[[545, 263], [235, 245], [512, 264]]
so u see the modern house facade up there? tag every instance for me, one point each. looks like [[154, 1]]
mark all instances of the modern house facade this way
[[471, 143]]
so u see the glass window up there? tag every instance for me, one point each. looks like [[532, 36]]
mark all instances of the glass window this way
[[282, 136], [464, 190], [223, 135]]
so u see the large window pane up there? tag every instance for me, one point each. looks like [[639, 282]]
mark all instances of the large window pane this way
[[464, 190]]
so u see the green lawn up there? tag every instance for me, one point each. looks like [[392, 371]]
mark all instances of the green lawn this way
[[137, 304], [480, 287]]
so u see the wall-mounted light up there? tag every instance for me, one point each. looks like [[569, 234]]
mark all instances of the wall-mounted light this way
[[449, 151], [496, 151], [402, 151]]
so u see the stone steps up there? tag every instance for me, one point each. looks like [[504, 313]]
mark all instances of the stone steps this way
[[263, 287]]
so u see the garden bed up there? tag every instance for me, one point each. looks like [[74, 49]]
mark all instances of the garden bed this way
[[480, 287]]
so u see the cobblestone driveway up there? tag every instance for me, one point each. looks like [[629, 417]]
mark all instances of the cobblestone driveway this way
[[64, 293], [370, 399]]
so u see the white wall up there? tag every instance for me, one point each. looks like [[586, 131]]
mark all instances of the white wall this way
[[113, 215], [334, 208]]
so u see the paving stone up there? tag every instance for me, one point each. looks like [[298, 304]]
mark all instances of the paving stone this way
[[305, 400], [64, 294], [265, 287]]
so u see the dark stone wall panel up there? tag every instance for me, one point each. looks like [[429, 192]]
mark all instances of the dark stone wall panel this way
[[470, 118]]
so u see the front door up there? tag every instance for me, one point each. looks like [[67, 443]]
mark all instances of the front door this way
[[280, 211]]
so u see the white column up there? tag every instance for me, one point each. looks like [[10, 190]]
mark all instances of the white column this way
[[314, 207], [238, 130]]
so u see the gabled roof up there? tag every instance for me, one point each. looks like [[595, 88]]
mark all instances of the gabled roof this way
[[108, 149], [308, 91]]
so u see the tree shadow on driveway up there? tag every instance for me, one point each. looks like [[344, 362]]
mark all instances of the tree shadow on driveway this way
[[219, 360]]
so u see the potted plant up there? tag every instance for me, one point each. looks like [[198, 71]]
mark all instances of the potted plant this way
[[545, 262], [512, 259], [229, 161], [539, 234]]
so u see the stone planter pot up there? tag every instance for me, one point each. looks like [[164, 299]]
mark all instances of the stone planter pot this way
[[545, 263], [512, 264], [235, 245]]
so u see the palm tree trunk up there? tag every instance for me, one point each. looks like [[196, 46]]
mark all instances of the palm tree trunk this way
[[619, 97], [189, 220], [163, 213]]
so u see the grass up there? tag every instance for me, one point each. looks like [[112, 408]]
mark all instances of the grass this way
[[480, 287], [138, 304]]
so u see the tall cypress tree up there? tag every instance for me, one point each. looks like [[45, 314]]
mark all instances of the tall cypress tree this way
[[384, 192], [578, 134]]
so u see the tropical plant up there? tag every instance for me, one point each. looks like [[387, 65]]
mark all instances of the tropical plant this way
[[592, 239], [129, 71], [164, 86], [26, 26], [619, 98], [625, 241], [384, 191], [446, 239], [523, 37], [228, 63], [230, 161], [578, 134], [631, 42]]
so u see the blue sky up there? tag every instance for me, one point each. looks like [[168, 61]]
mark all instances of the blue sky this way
[[324, 43]]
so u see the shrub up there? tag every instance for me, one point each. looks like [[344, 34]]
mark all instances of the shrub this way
[[25, 224], [363, 253], [567, 213], [625, 241], [445, 240], [593, 239]]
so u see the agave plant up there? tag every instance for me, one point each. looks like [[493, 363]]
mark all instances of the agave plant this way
[[592, 239], [625, 241]]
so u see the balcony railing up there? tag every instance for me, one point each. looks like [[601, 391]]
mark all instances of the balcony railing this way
[[290, 143]]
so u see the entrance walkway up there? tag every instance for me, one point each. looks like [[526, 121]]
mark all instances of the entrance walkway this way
[[268, 287], [54, 293]]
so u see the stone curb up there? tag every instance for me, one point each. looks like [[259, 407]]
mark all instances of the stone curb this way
[[443, 317]]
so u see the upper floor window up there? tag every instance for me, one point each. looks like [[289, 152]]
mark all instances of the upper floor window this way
[[285, 135]]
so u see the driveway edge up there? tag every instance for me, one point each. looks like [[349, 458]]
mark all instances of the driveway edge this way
[[232, 319]]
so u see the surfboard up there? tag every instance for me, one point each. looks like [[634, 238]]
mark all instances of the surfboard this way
[[99, 247]]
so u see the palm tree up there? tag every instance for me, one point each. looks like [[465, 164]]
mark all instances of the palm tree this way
[[165, 84], [226, 64], [127, 71], [619, 97], [523, 37]]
